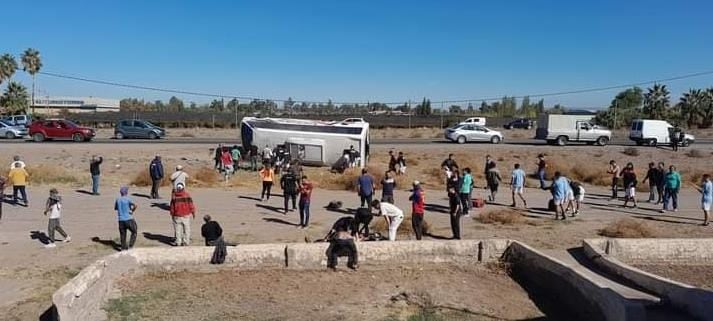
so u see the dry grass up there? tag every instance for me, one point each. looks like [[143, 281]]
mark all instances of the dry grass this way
[[405, 229], [628, 228], [631, 151], [501, 216], [51, 174], [187, 135], [203, 176], [695, 153], [577, 172], [143, 179]]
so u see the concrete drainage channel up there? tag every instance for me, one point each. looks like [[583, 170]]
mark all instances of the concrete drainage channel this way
[[584, 284]]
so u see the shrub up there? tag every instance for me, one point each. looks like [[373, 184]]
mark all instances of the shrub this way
[[51, 174], [405, 229], [143, 178], [695, 153], [631, 151], [187, 135], [203, 177], [628, 228], [501, 216]]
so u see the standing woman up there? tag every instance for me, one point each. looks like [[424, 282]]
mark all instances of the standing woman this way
[[456, 211], [629, 178], [267, 175]]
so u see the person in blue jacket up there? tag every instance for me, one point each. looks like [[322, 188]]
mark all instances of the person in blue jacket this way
[[156, 172]]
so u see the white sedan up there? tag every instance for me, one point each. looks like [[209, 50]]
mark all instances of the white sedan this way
[[473, 133]]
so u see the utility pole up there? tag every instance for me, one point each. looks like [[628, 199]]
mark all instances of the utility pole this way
[[442, 111], [409, 114], [616, 106], [236, 115]]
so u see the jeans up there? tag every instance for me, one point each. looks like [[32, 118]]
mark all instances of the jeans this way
[[614, 187], [367, 199], [127, 225], [652, 192], [95, 184], [660, 190], [394, 227], [182, 229], [465, 202], [21, 190], [455, 220], [266, 187], [339, 247], [253, 163], [304, 213], [541, 176], [155, 184], [52, 226], [670, 194], [417, 224], [290, 196]]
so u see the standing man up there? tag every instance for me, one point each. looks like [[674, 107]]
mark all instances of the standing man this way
[[517, 185], [365, 187], [388, 184], [674, 134], [401, 162], [290, 188], [392, 214], [54, 208], [18, 178], [156, 173], [267, 156], [125, 209], [305, 197], [216, 157], [493, 179], [661, 169], [466, 187], [392, 161], [456, 211], [179, 177], [629, 179], [706, 190], [418, 204], [653, 176], [672, 185], [541, 169], [449, 163], [614, 170], [3, 181], [488, 162], [235, 153], [181, 207], [96, 172], [560, 188]]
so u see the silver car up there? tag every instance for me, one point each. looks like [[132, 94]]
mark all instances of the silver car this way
[[463, 133], [10, 132]]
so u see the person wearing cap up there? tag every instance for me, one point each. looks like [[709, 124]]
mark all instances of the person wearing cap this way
[[125, 209], [54, 208], [181, 208], [95, 171], [179, 177], [418, 204], [156, 172]]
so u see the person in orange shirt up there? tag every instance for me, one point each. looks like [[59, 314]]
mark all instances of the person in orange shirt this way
[[267, 174], [18, 178]]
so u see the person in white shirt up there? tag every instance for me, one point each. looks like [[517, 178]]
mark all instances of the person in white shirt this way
[[392, 214], [54, 208], [16, 160], [179, 177]]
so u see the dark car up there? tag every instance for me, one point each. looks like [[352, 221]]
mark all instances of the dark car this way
[[522, 123], [60, 129], [138, 129]]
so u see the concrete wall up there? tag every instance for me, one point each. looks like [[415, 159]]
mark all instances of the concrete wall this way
[[83, 297], [606, 254], [568, 288]]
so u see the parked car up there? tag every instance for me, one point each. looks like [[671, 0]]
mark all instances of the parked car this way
[[655, 132], [138, 129], [562, 129], [60, 129], [16, 120], [8, 131], [480, 121], [473, 133], [522, 123]]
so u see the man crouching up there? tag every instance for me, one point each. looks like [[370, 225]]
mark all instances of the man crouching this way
[[341, 243]]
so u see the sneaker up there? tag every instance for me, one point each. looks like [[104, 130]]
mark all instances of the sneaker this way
[[675, 210], [524, 204], [50, 246], [68, 239], [662, 211]]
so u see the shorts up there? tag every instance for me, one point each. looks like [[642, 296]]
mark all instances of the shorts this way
[[518, 189], [580, 197], [558, 202], [631, 192], [706, 206], [570, 195]]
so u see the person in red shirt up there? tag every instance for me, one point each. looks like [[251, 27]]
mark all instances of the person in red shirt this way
[[305, 196], [181, 208], [418, 204]]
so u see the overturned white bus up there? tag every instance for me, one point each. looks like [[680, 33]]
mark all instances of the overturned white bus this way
[[314, 142]]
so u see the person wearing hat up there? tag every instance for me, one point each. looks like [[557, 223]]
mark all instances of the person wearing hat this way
[[179, 177], [156, 172], [418, 204], [181, 207], [125, 209], [54, 208]]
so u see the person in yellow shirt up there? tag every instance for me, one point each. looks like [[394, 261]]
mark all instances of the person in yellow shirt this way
[[18, 178], [267, 174]]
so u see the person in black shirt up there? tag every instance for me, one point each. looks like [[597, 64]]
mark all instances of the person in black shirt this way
[[653, 176], [341, 243], [211, 231], [290, 189], [455, 211], [94, 170], [216, 157], [449, 163], [401, 162], [362, 219], [392, 161], [388, 184]]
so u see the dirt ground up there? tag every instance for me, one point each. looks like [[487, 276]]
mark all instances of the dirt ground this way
[[438, 292], [29, 273], [697, 275]]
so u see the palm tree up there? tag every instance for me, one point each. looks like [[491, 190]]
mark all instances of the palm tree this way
[[31, 64], [691, 106], [8, 65], [707, 109], [14, 100], [656, 102]]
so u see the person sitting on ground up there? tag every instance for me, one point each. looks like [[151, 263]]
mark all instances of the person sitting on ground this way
[[341, 243], [341, 164]]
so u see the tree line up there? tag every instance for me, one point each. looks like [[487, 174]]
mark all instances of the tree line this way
[[15, 98]]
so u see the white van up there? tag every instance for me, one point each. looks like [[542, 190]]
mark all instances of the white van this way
[[480, 121], [654, 132]]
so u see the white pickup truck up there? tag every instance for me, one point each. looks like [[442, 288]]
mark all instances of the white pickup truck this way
[[562, 129]]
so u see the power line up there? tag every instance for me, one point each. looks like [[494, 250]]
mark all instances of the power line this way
[[492, 98]]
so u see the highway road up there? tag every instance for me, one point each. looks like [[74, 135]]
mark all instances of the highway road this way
[[394, 141]]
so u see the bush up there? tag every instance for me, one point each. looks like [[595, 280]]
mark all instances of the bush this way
[[628, 228], [501, 216], [143, 178], [695, 153], [203, 177], [631, 151]]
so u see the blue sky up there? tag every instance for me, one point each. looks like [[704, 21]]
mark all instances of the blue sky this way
[[363, 50]]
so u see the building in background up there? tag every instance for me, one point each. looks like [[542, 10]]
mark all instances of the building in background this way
[[49, 105]]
